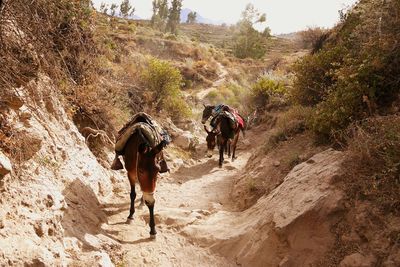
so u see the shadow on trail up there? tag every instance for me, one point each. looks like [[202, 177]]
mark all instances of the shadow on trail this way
[[138, 241], [84, 214], [185, 174]]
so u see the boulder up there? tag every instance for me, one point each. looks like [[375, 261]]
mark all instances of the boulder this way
[[184, 140]]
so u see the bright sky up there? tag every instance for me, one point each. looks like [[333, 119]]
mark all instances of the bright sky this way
[[283, 16]]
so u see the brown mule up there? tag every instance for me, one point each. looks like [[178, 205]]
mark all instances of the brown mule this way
[[141, 163], [141, 142]]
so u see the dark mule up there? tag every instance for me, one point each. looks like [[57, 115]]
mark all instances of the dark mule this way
[[141, 163], [207, 112], [230, 144], [221, 135]]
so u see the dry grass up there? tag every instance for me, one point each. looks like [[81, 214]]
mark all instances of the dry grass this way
[[371, 181], [373, 169], [289, 124]]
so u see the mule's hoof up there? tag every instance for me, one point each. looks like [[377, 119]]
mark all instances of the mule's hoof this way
[[129, 221], [153, 236]]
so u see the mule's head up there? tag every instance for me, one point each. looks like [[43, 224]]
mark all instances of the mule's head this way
[[206, 113], [211, 140]]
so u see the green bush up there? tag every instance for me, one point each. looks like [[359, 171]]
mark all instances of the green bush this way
[[353, 75], [164, 83], [340, 108], [265, 88], [230, 94], [315, 75]]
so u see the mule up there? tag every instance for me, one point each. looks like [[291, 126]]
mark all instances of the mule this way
[[140, 142], [221, 135], [230, 144], [142, 165]]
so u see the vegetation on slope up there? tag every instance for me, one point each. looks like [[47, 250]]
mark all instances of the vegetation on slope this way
[[351, 84], [355, 73]]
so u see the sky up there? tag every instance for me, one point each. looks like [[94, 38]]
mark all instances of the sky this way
[[283, 16]]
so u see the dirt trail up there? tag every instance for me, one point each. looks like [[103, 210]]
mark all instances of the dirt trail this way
[[188, 196]]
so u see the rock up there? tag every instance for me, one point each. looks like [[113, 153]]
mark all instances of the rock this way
[[172, 129], [71, 244], [358, 260], [40, 228], [176, 163], [184, 140], [276, 163], [103, 260], [5, 165], [13, 101], [244, 142], [286, 262]]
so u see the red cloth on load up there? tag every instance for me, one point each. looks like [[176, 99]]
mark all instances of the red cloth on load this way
[[238, 118]]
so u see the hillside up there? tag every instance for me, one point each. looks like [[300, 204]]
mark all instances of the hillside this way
[[315, 181]]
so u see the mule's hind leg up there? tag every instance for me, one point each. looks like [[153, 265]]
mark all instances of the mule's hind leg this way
[[150, 201], [133, 197], [130, 159], [234, 143], [221, 153], [228, 145]]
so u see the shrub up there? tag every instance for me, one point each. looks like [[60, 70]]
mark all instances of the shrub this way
[[264, 89], [352, 76], [315, 74], [164, 83], [230, 94], [340, 108], [290, 123], [373, 167], [311, 38]]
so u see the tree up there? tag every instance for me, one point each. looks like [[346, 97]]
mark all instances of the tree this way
[[248, 41], [267, 32], [126, 9], [191, 17], [103, 8], [160, 14], [174, 16], [113, 9]]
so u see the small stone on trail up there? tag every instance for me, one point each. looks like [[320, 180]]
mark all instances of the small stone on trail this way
[[5, 165], [276, 163]]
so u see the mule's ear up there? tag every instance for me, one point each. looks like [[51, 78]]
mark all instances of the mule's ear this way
[[205, 128], [204, 105]]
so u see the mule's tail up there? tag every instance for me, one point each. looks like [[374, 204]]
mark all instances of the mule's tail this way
[[244, 128]]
